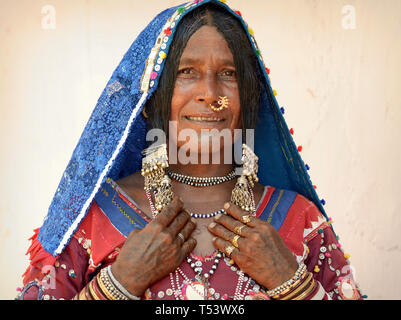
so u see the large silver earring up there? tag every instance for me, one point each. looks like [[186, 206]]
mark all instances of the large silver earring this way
[[242, 194], [153, 170]]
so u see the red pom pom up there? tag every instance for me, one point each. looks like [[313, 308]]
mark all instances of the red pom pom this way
[[239, 13], [267, 70], [315, 187], [292, 131], [299, 148], [167, 31]]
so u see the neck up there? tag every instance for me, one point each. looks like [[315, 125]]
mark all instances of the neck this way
[[201, 164], [202, 170]]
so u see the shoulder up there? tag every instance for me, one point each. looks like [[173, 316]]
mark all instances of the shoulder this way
[[133, 186], [289, 211], [302, 217]]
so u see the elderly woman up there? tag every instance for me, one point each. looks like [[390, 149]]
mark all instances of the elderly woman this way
[[134, 220]]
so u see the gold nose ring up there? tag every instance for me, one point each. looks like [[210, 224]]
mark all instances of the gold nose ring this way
[[223, 103]]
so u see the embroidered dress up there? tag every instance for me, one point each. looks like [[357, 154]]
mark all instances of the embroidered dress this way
[[89, 218], [113, 215]]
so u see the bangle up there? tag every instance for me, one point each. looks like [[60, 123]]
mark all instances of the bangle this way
[[108, 288], [290, 284], [284, 295], [97, 290], [300, 289], [120, 286], [92, 291], [306, 293]]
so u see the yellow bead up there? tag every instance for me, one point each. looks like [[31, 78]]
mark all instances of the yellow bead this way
[[162, 55], [251, 32], [316, 269], [275, 92], [347, 255]]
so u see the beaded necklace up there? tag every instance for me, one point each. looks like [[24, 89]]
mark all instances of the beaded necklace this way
[[204, 280], [200, 181]]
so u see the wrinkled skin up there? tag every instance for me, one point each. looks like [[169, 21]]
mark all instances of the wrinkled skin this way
[[261, 252], [153, 252], [206, 72]]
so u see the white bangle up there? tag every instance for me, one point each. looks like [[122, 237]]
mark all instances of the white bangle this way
[[120, 286]]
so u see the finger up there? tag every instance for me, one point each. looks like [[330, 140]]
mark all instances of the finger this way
[[188, 246], [224, 246], [221, 232], [239, 214], [233, 225], [178, 223], [186, 231], [169, 212]]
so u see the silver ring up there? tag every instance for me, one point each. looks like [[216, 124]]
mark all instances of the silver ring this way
[[180, 235]]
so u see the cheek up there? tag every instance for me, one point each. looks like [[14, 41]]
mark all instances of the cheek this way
[[175, 107], [179, 99], [236, 112]]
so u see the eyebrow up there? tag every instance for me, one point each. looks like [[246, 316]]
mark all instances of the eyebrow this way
[[185, 61]]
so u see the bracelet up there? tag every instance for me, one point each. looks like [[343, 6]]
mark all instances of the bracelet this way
[[108, 287], [308, 291], [120, 286], [290, 284], [284, 295], [300, 289], [83, 294], [98, 292], [92, 291]]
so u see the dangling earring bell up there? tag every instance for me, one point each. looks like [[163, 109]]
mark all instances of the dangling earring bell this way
[[242, 195], [156, 180]]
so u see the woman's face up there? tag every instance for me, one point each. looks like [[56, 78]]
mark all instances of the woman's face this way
[[206, 72]]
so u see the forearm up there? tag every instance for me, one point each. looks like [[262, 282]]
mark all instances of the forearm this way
[[105, 287]]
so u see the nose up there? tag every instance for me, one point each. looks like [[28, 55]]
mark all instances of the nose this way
[[207, 89]]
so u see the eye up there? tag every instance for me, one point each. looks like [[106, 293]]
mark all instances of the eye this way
[[185, 71], [228, 73]]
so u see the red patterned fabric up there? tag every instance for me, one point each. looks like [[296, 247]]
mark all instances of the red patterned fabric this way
[[97, 243]]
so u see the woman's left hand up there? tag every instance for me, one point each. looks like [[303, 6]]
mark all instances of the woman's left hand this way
[[261, 253]]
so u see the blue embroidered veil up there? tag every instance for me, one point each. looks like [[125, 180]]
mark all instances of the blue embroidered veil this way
[[114, 137]]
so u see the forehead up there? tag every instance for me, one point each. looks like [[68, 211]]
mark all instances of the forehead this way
[[205, 43]]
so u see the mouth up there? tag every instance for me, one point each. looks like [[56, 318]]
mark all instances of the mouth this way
[[204, 119]]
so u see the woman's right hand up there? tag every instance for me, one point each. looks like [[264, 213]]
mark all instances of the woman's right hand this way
[[150, 254]]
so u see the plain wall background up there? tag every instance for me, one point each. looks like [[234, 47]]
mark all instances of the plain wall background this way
[[340, 87]]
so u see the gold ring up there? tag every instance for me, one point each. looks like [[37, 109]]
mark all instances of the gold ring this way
[[246, 219], [235, 240], [238, 229], [229, 250]]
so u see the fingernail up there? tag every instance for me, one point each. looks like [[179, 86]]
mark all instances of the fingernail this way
[[214, 239], [217, 217], [212, 225], [193, 220], [226, 205]]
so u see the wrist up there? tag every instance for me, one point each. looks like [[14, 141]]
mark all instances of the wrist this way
[[134, 288], [288, 286]]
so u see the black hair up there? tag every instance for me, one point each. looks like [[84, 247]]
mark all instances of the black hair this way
[[245, 60]]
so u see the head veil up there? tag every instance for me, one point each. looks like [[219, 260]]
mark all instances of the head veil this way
[[114, 136]]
